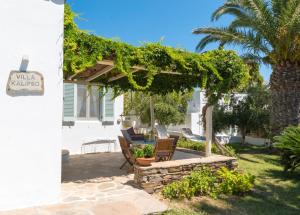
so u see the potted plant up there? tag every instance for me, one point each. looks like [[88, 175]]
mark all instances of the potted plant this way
[[144, 156]]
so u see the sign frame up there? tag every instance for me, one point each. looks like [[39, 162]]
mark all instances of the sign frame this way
[[25, 89]]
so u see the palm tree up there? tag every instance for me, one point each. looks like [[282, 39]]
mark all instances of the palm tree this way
[[269, 32]]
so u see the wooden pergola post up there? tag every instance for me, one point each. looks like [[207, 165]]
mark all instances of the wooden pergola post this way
[[151, 114], [208, 131]]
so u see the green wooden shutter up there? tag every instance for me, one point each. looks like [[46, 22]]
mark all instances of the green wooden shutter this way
[[108, 107], [69, 109]]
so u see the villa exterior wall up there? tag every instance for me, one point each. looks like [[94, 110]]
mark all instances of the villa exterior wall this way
[[30, 149]]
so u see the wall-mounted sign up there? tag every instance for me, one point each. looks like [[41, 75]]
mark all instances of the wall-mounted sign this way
[[25, 84]]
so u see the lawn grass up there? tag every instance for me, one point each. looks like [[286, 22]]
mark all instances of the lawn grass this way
[[276, 192], [194, 145]]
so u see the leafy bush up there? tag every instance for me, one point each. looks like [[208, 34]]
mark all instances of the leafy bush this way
[[198, 183], [233, 182], [230, 151], [203, 182], [147, 151], [178, 190], [207, 182], [289, 143]]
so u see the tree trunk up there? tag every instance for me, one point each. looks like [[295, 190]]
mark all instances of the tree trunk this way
[[243, 133], [285, 95]]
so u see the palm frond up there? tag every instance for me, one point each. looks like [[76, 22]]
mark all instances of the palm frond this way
[[269, 26], [249, 57], [228, 8], [247, 38], [278, 6]]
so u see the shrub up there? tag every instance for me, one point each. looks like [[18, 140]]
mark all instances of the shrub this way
[[289, 143], [202, 182], [178, 190], [198, 183], [207, 182], [233, 182], [230, 151]]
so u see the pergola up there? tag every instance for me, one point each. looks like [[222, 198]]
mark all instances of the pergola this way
[[105, 70], [158, 69]]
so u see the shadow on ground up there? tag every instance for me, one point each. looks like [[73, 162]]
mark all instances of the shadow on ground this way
[[85, 167], [90, 166]]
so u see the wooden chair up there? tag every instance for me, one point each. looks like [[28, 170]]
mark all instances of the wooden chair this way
[[176, 138], [131, 136], [126, 152], [164, 149]]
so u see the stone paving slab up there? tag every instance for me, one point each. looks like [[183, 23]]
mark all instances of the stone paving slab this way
[[83, 208], [103, 196], [94, 184]]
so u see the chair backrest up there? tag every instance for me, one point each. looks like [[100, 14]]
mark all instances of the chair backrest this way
[[126, 150], [187, 131], [131, 131], [176, 138], [164, 149], [162, 132], [126, 136]]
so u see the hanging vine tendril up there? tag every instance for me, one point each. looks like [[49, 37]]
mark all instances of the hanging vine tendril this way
[[217, 71]]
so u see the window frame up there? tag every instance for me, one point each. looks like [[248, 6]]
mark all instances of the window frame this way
[[88, 104]]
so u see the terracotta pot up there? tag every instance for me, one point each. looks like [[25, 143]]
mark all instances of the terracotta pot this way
[[145, 161]]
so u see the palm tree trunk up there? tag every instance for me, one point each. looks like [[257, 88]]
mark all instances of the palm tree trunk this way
[[285, 94]]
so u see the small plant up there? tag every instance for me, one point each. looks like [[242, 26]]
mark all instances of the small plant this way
[[233, 182], [138, 152], [208, 182], [231, 151], [289, 143], [148, 151], [201, 182], [144, 156], [178, 190]]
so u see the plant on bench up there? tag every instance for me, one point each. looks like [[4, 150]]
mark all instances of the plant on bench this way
[[144, 156]]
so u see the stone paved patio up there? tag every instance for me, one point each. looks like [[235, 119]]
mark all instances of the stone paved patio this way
[[93, 184]]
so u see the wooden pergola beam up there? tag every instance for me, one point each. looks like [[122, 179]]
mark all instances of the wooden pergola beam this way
[[121, 76], [82, 82], [137, 70], [109, 66], [101, 72]]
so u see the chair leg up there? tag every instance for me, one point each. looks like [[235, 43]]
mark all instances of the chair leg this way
[[123, 164]]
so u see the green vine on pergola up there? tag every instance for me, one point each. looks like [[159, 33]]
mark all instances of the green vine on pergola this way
[[218, 71]]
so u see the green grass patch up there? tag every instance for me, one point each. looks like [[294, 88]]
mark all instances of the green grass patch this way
[[275, 193], [194, 145]]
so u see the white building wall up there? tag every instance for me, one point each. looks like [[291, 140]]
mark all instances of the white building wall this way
[[30, 126], [193, 118], [89, 131]]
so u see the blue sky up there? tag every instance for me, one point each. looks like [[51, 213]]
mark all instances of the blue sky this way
[[138, 21]]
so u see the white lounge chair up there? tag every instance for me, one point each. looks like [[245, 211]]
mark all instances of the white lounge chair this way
[[162, 132], [188, 134]]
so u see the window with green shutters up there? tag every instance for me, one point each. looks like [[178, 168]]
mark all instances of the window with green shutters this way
[[108, 106], [69, 101], [83, 102]]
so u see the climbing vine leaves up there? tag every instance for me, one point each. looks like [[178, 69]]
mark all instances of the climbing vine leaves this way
[[218, 71]]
